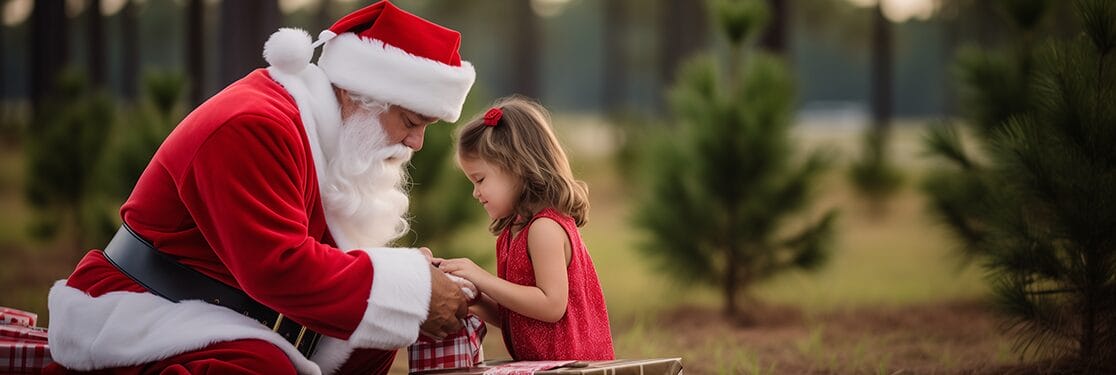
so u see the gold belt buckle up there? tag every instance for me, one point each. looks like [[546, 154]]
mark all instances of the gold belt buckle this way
[[301, 332], [278, 321]]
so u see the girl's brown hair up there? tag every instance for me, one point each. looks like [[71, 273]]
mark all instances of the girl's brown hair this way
[[523, 144]]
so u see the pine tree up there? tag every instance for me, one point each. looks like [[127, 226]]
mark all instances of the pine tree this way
[[1036, 208], [145, 126], [723, 185], [63, 153]]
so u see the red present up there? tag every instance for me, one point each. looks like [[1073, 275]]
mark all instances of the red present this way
[[9, 332], [23, 357], [525, 367], [462, 349], [23, 347], [20, 317], [656, 366]]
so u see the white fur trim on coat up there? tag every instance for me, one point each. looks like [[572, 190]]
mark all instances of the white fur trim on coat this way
[[386, 73], [317, 108], [399, 299], [127, 329], [397, 305]]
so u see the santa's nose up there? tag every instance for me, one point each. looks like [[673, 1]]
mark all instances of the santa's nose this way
[[415, 137]]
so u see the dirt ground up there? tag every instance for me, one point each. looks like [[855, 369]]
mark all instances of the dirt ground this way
[[954, 338]]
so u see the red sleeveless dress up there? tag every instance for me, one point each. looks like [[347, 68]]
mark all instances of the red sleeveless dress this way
[[583, 333]]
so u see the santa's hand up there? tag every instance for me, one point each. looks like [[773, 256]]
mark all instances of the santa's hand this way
[[448, 307], [428, 254]]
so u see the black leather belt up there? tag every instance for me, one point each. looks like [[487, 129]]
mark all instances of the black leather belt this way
[[165, 277]]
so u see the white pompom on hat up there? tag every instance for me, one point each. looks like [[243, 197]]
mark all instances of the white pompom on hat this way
[[289, 50]]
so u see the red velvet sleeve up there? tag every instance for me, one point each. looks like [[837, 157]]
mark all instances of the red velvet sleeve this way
[[247, 191]]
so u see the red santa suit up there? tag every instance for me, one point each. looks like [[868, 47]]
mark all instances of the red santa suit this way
[[234, 193]]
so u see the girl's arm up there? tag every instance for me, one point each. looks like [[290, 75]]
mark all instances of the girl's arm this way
[[486, 309], [549, 248]]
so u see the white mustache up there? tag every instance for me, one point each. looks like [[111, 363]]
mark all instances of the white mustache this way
[[398, 154], [391, 156]]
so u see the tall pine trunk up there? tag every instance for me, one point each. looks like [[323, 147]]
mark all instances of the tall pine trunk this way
[[527, 39], [774, 39], [245, 26], [881, 69], [95, 39], [49, 49], [3, 67], [613, 83], [129, 46], [322, 18], [682, 32], [195, 51], [732, 246]]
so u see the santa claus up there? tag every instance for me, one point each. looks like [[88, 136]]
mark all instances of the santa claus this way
[[254, 240]]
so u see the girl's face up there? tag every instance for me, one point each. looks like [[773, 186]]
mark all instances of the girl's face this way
[[496, 189]]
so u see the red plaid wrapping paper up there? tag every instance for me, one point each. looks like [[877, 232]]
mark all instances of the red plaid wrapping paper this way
[[23, 347], [9, 332], [459, 350], [23, 357]]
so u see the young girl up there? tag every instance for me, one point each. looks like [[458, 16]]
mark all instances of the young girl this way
[[547, 300]]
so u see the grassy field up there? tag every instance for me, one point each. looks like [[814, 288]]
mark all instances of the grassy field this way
[[892, 299], [902, 257]]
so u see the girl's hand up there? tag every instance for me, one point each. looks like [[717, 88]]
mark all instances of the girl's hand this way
[[465, 268], [467, 287]]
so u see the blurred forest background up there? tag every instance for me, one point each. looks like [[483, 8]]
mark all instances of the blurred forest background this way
[[846, 142]]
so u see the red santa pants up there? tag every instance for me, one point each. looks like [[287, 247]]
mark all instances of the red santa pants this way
[[239, 357]]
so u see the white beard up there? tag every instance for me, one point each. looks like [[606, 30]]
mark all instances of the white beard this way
[[364, 192]]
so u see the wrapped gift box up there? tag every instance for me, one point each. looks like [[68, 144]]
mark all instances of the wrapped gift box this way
[[657, 366], [12, 332], [23, 357], [23, 347], [664, 366], [459, 350]]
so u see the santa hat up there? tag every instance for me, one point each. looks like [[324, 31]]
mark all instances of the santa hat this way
[[384, 53]]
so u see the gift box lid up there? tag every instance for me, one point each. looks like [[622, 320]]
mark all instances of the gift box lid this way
[[9, 315], [654, 366]]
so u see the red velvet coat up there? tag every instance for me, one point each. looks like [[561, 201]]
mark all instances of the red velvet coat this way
[[233, 193]]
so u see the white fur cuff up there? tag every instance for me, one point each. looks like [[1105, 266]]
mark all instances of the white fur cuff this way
[[399, 300]]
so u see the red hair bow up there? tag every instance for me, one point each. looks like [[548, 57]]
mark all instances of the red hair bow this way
[[492, 117]]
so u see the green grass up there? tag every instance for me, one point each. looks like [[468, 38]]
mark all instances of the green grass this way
[[903, 258]]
